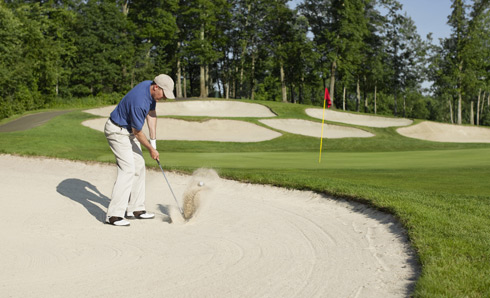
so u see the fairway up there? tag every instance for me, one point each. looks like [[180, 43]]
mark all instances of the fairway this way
[[408, 160], [442, 171]]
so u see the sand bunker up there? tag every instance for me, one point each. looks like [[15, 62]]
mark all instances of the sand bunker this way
[[249, 241], [231, 130], [314, 129], [210, 108], [356, 119], [209, 130], [442, 132]]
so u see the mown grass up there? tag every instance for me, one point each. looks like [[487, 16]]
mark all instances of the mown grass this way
[[438, 191]]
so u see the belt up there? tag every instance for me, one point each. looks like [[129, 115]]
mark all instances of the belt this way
[[115, 123]]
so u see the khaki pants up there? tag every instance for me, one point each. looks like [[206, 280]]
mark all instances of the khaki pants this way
[[129, 189]]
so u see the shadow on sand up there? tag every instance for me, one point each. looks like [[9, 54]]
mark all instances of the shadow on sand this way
[[87, 195]]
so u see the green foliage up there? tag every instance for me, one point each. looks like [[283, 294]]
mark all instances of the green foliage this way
[[27, 58], [53, 51], [103, 49], [269, 89]]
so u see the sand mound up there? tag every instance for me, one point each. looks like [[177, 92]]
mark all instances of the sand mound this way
[[442, 132], [209, 130], [355, 119], [314, 129], [251, 240], [102, 112], [214, 108], [210, 108]]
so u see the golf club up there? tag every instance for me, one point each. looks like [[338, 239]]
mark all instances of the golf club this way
[[180, 209]]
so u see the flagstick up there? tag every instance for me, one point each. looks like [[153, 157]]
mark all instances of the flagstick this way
[[323, 120]]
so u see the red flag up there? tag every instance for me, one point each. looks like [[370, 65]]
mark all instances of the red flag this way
[[327, 98]]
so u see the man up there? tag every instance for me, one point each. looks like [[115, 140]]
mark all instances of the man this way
[[124, 133]]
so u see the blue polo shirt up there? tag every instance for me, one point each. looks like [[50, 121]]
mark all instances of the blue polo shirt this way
[[132, 109]]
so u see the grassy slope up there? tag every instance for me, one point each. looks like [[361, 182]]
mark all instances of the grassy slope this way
[[438, 190]]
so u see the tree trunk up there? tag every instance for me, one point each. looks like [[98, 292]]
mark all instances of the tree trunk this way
[[202, 78], [227, 85], [366, 104], [343, 99], [483, 101], [358, 95], [478, 108], [482, 108], [184, 84], [459, 108], [234, 84], [332, 81], [209, 81], [366, 107], [451, 110], [178, 83], [459, 94], [125, 8], [202, 81], [375, 94], [220, 88], [240, 88], [472, 114], [283, 85], [252, 79]]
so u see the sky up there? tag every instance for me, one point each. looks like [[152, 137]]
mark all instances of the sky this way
[[428, 15]]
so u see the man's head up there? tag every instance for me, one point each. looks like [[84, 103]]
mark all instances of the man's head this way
[[166, 86]]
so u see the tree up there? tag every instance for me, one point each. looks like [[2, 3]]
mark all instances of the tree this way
[[464, 54], [318, 14], [406, 52], [29, 57], [279, 27], [198, 26], [153, 33], [103, 49], [457, 20]]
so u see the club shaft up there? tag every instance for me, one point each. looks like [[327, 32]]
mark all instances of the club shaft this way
[[170, 187]]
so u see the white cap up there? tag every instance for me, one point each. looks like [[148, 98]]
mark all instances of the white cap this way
[[167, 84]]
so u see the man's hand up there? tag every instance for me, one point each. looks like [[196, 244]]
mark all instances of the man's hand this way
[[140, 136], [155, 155]]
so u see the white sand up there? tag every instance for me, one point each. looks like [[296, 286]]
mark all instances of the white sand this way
[[356, 119], [443, 132], [209, 108], [314, 129], [227, 130], [209, 130], [245, 241]]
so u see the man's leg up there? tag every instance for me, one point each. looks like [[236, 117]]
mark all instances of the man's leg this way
[[119, 141], [138, 191]]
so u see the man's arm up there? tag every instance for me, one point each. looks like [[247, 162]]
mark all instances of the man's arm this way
[[140, 136], [151, 120]]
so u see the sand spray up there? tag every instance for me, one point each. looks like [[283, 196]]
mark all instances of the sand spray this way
[[196, 195]]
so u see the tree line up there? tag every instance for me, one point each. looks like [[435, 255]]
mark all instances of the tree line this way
[[367, 52]]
